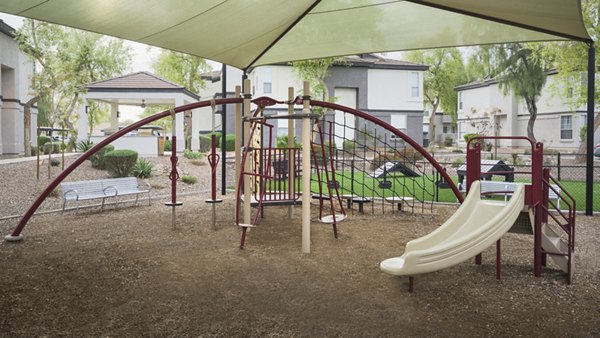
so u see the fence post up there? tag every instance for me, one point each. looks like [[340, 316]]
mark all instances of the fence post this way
[[558, 164]]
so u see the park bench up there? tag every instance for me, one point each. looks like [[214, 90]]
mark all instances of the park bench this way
[[507, 188], [102, 189]]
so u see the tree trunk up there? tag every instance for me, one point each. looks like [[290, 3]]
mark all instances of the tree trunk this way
[[583, 145], [431, 130], [532, 107], [27, 124]]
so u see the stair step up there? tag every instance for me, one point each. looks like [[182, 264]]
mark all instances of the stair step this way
[[551, 242], [329, 218]]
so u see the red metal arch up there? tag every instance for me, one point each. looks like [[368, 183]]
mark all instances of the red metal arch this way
[[398, 133], [52, 185]]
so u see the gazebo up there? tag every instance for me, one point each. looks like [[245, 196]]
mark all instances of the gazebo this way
[[138, 89]]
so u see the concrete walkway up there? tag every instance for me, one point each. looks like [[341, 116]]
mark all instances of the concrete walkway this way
[[33, 158]]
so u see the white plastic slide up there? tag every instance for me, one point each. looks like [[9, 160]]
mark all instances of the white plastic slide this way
[[475, 226]]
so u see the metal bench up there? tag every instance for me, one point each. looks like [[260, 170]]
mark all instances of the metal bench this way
[[507, 188], [104, 188]]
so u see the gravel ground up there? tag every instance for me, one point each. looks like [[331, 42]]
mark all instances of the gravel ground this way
[[127, 272]]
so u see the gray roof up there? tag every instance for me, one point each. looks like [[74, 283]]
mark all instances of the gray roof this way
[[140, 81]]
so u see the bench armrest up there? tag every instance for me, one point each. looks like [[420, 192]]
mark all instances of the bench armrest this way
[[72, 191], [108, 188], [148, 186]]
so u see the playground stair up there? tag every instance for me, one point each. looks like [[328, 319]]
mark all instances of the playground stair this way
[[556, 247]]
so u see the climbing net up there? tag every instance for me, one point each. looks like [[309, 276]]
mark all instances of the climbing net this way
[[373, 167]]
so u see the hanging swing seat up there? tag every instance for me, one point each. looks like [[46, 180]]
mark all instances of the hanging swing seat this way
[[329, 219]]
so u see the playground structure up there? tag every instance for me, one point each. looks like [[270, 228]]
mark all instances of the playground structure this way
[[340, 161]]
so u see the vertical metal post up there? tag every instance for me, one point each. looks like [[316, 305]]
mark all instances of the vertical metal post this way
[[247, 165], [558, 165], [291, 153], [224, 130], [589, 172], [238, 134], [306, 131]]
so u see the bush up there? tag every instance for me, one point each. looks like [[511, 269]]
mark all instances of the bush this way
[[189, 179], [349, 146], [448, 142], [205, 143], [167, 146], [404, 155], [192, 155], [282, 142], [457, 151], [458, 162], [51, 147], [84, 145], [54, 162], [34, 149], [43, 140], [98, 160], [469, 136], [120, 163], [143, 168], [230, 142]]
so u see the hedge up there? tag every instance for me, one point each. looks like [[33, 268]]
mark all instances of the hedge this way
[[120, 163], [97, 158]]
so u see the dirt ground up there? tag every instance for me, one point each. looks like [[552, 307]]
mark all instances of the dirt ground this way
[[127, 272]]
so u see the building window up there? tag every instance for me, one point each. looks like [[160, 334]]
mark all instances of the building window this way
[[267, 88], [460, 102], [414, 84], [566, 127], [398, 121]]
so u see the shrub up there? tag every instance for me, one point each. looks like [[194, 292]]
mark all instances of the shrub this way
[[230, 142], [120, 163], [34, 149], [448, 142], [51, 147], [98, 160], [84, 145], [143, 168], [192, 155], [469, 136], [43, 140], [189, 179], [457, 151], [458, 162], [167, 146], [404, 155], [282, 142], [349, 146], [205, 143], [54, 162]]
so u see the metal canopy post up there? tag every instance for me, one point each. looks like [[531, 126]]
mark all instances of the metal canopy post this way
[[224, 129], [589, 172]]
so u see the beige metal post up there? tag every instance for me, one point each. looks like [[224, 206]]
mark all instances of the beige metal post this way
[[306, 170], [248, 164], [291, 157], [238, 134]]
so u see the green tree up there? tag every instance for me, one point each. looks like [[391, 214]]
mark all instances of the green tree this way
[[67, 59], [570, 60], [521, 70], [183, 69], [315, 72], [446, 71]]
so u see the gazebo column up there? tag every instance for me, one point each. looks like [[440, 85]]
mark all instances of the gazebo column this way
[[114, 118], [179, 126], [196, 129], [82, 122]]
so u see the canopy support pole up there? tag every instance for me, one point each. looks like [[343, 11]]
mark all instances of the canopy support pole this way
[[589, 172]]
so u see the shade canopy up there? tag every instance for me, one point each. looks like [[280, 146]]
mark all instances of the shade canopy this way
[[245, 33]]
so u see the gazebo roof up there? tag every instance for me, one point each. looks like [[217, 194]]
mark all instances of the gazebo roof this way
[[142, 82]]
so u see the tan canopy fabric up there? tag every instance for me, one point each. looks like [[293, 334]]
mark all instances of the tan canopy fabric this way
[[245, 33]]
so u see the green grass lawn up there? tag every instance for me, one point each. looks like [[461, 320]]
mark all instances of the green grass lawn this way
[[423, 188]]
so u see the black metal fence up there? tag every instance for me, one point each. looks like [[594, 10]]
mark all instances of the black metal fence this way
[[569, 169]]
